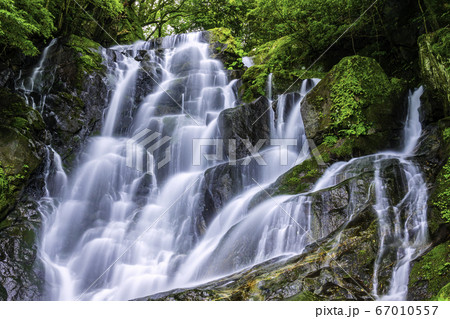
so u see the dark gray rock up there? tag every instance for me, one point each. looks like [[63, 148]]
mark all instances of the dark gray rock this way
[[246, 122], [222, 183], [22, 151]]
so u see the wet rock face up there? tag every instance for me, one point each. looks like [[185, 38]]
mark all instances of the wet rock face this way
[[21, 274], [22, 151], [314, 275], [249, 122], [74, 97], [339, 262], [222, 183], [22, 146]]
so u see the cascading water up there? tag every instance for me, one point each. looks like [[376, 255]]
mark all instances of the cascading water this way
[[107, 205], [115, 233], [33, 86]]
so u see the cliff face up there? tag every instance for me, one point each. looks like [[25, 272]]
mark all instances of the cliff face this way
[[68, 93], [356, 110]]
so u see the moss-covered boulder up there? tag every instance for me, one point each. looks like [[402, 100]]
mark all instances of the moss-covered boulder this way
[[434, 51], [430, 275], [281, 58], [299, 179], [355, 110], [225, 47], [247, 122]]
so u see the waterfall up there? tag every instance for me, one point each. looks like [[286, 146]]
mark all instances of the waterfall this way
[[34, 85], [120, 228], [107, 206], [412, 232]]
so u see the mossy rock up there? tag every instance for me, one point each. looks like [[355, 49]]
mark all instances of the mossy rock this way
[[225, 47], [440, 197], [434, 52], [87, 57], [281, 58], [254, 83], [20, 153], [444, 293], [355, 110], [285, 81], [430, 274], [299, 179]]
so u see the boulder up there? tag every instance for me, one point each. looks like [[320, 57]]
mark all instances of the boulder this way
[[222, 183], [355, 110], [246, 122]]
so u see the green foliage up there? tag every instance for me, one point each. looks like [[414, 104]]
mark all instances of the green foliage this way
[[9, 185], [94, 19], [254, 82], [441, 46], [88, 58], [25, 22], [314, 23], [358, 87], [229, 46], [434, 268], [20, 20], [210, 14], [446, 135], [330, 140], [444, 293], [441, 198]]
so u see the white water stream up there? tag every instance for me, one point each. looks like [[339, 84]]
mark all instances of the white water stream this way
[[112, 233]]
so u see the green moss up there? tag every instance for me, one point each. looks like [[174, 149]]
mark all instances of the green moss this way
[[280, 58], [299, 179], [441, 46], [254, 83], [434, 54], [441, 196], [353, 110], [362, 83], [224, 43], [446, 135], [88, 58], [75, 101], [283, 54], [444, 293], [10, 184], [433, 269]]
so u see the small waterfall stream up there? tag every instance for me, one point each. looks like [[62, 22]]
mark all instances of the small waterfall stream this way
[[111, 232], [36, 85]]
